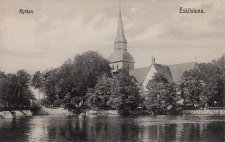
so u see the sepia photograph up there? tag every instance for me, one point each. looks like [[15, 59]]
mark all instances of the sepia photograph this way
[[112, 70]]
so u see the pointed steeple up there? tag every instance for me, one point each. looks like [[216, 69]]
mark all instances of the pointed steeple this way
[[120, 58], [120, 42]]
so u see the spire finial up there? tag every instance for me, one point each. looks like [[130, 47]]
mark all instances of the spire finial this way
[[195, 58], [153, 59]]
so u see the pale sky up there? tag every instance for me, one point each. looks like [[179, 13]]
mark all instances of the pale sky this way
[[60, 29]]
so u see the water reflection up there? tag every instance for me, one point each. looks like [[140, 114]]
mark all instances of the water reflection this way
[[113, 128]]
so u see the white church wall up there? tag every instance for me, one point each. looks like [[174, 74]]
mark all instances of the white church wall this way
[[121, 65], [149, 76], [116, 66]]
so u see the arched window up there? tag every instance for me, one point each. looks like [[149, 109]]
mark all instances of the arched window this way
[[128, 67], [117, 66]]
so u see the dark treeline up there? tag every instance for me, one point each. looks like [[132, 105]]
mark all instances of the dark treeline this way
[[198, 89], [87, 81], [15, 86]]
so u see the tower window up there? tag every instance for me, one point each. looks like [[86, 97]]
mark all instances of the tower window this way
[[128, 67], [117, 66], [113, 67]]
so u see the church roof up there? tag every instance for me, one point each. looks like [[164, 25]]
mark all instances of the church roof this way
[[171, 72], [164, 70], [178, 69], [121, 55], [139, 74]]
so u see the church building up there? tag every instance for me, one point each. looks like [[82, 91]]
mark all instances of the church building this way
[[122, 59]]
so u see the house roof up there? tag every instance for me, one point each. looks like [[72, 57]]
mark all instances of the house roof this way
[[171, 72], [139, 74], [178, 69]]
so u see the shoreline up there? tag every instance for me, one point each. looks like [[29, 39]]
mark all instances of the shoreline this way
[[62, 111]]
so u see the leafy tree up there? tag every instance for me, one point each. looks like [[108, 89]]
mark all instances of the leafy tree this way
[[214, 77], [86, 69], [124, 92], [162, 95], [37, 80], [218, 73], [50, 82], [196, 89], [22, 84], [4, 87], [220, 63], [119, 92], [72, 79], [99, 96], [16, 85], [67, 81]]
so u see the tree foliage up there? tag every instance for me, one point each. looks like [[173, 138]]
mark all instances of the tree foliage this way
[[118, 92], [125, 93], [99, 96], [162, 95], [194, 89], [204, 87], [215, 81], [15, 85], [72, 80]]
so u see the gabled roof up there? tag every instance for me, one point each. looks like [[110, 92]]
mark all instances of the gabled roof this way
[[164, 70], [139, 74], [178, 69], [171, 72]]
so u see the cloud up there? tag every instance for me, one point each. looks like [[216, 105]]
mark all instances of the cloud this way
[[60, 29], [18, 35], [188, 30]]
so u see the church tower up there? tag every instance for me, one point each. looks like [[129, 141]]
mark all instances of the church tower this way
[[120, 58]]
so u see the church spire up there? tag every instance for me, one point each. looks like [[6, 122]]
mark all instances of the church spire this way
[[120, 33], [120, 42]]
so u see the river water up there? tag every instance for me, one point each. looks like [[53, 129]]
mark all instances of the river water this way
[[113, 128]]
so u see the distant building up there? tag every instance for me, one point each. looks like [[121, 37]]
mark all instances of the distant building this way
[[120, 58]]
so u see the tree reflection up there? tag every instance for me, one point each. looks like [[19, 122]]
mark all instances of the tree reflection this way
[[14, 130], [113, 128]]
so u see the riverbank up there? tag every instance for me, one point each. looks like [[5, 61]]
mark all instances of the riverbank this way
[[216, 112], [53, 111], [62, 111], [220, 112], [116, 112]]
